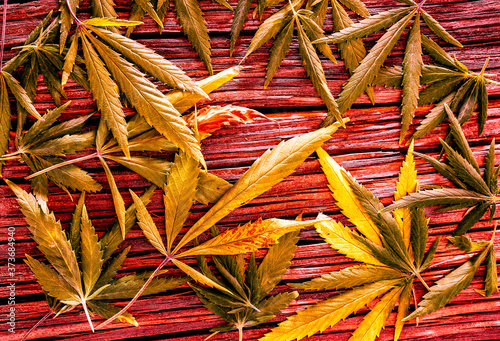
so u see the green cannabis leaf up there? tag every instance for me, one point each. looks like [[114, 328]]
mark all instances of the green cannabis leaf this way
[[195, 28], [449, 82], [249, 305], [102, 63], [391, 248], [190, 18], [43, 145], [280, 26], [271, 168], [364, 74], [41, 55], [83, 269], [352, 52], [109, 73], [155, 8], [479, 192], [459, 279], [141, 137], [7, 81], [37, 55]]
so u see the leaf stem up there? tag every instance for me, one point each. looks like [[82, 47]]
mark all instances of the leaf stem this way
[[4, 26], [415, 302], [420, 5], [422, 281], [37, 324], [458, 258], [213, 334], [471, 74], [73, 15], [17, 152], [481, 74], [139, 293], [62, 164], [239, 325], [5, 157], [492, 81], [293, 8], [494, 231], [84, 304]]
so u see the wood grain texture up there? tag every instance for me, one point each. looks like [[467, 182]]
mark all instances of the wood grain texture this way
[[368, 148]]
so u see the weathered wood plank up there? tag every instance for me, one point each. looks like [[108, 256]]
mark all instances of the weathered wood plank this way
[[368, 148]]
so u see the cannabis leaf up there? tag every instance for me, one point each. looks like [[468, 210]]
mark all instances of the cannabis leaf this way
[[43, 145], [190, 18], [352, 52], [32, 58], [392, 249], [459, 279], [249, 305], [155, 8], [40, 55], [103, 63], [144, 138], [272, 167], [105, 66], [365, 73], [281, 26], [472, 189], [449, 82], [7, 81], [68, 8], [83, 271], [195, 28], [141, 137]]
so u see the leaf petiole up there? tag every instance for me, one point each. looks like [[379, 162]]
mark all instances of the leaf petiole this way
[[139, 293], [62, 164], [84, 304], [13, 157], [422, 281], [73, 15], [37, 324], [415, 302], [453, 260], [481, 74], [492, 81], [17, 152], [24, 47], [293, 9], [420, 5], [494, 231], [239, 325]]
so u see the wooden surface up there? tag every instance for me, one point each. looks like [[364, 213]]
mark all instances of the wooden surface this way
[[368, 148]]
